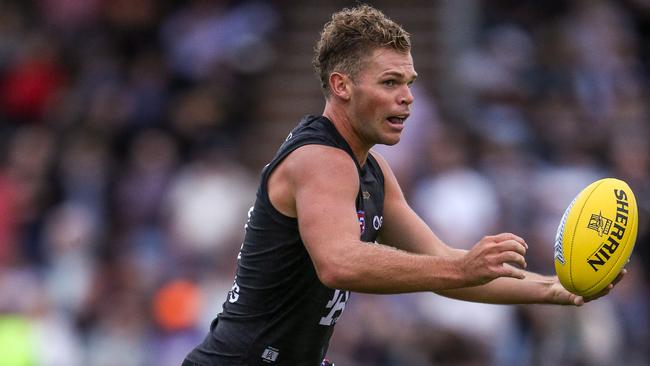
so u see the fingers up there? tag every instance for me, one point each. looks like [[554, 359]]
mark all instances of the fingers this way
[[508, 236], [507, 255], [513, 246], [510, 251], [510, 271], [578, 300], [619, 277], [501, 243], [609, 287], [512, 258], [500, 255], [600, 294]]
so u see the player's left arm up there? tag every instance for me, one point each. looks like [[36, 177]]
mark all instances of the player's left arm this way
[[533, 289], [404, 228]]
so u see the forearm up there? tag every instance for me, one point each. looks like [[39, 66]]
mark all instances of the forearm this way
[[534, 289], [376, 268]]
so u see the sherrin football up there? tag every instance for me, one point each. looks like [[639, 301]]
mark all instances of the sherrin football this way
[[596, 236]]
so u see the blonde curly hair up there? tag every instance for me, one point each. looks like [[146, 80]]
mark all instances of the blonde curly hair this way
[[350, 36]]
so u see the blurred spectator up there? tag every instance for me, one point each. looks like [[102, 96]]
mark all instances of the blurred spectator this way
[[459, 204], [32, 78], [124, 186], [69, 235], [9, 217], [30, 159], [207, 204], [205, 35]]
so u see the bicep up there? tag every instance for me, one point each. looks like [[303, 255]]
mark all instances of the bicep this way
[[325, 185]]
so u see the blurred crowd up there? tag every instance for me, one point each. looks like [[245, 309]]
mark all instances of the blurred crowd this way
[[124, 182]]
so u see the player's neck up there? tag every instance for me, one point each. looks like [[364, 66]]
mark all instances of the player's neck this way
[[343, 125]]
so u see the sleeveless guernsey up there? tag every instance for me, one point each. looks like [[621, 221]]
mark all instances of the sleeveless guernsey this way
[[278, 312]]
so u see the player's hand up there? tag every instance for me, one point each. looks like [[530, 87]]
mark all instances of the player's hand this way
[[559, 295], [488, 259]]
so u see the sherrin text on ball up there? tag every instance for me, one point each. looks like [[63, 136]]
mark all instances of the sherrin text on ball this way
[[596, 236]]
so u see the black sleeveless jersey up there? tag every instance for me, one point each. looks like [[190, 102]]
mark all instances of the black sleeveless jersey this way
[[278, 312]]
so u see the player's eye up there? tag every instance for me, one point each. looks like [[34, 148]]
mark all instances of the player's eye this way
[[390, 82]]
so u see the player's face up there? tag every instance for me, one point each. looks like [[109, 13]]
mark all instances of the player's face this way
[[381, 96]]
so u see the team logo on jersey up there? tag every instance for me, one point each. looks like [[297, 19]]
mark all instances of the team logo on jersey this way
[[361, 216]]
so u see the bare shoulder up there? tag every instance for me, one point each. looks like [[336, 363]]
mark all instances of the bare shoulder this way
[[310, 173], [311, 161]]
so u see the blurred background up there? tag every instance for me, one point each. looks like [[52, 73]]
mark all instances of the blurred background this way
[[132, 134]]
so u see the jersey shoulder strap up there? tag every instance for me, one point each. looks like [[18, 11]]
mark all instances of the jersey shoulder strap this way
[[311, 130]]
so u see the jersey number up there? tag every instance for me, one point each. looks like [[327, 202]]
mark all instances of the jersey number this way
[[233, 295], [336, 306]]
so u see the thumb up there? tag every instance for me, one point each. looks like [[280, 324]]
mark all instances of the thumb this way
[[578, 300]]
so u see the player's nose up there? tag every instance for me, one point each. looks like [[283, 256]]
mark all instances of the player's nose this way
[[406, 97]]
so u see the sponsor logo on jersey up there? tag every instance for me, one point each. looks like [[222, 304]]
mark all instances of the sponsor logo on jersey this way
[[377, 221]]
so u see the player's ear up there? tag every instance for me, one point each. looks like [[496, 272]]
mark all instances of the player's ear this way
[[340, 85]]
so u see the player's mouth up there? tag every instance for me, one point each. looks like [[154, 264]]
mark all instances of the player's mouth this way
[[397, 121]]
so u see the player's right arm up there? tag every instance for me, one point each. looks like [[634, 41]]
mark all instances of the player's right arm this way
[[319, 185], [403, 226]]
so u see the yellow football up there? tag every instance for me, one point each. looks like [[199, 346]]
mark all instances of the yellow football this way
[[596, 236]]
